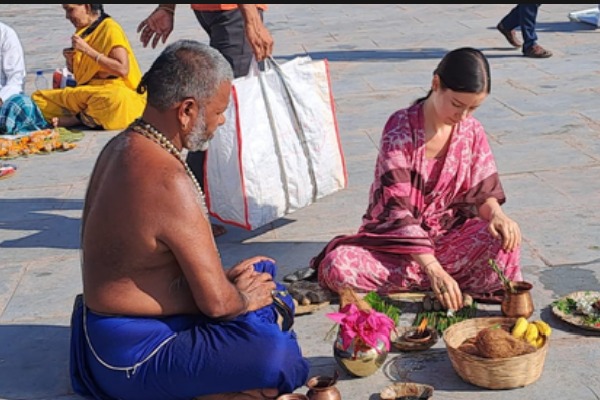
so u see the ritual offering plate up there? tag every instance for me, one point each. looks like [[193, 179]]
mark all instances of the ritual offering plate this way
[[411, 339], [580, 309]]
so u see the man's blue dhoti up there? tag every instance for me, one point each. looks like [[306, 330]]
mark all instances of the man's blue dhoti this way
[[183, 356]]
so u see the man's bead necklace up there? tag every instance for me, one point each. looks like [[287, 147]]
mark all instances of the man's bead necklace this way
[[145, 129]]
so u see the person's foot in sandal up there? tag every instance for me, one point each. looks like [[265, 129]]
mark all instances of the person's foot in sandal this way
[[510, 35], [537, 51], [218, 230]]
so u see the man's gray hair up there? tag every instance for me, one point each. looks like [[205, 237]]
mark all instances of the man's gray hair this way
[[184, 69]]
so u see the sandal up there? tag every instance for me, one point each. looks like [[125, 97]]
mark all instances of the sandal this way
[[510, 35], [537, 51], [7, 170], [303, 274], [306, 292]]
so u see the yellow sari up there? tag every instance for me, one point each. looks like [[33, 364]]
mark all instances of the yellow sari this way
[[110, 103]]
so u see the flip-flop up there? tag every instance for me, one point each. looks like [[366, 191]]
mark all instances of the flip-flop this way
[[7, 170], [306, 292], [302, 274]]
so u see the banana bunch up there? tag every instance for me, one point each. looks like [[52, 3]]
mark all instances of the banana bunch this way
[[535, 332]]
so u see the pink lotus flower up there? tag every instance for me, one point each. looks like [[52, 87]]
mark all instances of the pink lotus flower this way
[[368, 326]]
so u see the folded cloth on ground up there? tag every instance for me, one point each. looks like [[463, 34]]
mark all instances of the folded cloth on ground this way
[[20, 114]]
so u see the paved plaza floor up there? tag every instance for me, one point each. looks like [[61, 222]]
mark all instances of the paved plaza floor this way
[[543, 122]]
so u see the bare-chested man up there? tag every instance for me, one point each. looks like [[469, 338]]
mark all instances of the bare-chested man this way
[[159, 317]]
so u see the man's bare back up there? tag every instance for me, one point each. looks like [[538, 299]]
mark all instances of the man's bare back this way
[[127, 269]]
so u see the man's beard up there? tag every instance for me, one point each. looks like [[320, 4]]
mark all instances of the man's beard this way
[[198, 139]]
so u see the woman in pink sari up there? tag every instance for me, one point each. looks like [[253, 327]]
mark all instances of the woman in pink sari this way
[[434, 218]]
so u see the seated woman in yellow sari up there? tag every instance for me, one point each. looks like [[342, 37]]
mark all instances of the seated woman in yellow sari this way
[[105, 69]]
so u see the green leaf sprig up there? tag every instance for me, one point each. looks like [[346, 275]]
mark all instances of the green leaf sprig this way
[[379, 304], [507, 283]]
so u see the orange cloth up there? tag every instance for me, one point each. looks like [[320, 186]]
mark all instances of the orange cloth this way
[[221, 7]]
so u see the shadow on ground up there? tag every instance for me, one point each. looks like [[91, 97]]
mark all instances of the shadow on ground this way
[[42, 220], [34, 361], [372, 55]]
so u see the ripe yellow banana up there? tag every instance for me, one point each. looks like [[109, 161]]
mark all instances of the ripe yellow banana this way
[[532, 333], [520, 328], [543, 327], [540, 341]]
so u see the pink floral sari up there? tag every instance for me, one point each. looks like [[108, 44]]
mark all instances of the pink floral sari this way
[[417, 206]]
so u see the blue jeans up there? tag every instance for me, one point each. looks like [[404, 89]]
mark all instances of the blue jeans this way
[[523, 15]]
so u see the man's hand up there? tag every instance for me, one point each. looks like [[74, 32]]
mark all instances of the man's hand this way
[[246, 266], [157, 26], [258, 35]]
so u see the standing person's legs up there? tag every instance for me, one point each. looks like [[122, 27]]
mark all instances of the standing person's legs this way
[[508, 24], [226, 32], [512, 19], [527, 20]]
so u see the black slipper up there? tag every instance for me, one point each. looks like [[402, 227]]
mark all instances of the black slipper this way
[[286, 313], [303, 274], [306, 292]]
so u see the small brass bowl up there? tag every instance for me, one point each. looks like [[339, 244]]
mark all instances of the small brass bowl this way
[[409, 340]]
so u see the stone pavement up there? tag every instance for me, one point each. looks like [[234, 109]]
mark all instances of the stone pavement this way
[[542, 118]]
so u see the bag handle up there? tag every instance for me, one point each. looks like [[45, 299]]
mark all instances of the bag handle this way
[[270, 63]]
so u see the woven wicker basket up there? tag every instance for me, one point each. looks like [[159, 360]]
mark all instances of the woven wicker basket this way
[[498, 373]]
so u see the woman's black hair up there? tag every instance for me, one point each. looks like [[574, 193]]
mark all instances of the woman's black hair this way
[[97, 8], [463, 70]]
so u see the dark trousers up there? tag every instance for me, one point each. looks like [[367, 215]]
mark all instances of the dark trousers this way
[[523, 15], [226, 32]]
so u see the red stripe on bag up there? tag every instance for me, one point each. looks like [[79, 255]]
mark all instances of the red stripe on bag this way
[[335, 121]]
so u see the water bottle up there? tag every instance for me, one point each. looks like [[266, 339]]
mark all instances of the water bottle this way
[[41, 82]]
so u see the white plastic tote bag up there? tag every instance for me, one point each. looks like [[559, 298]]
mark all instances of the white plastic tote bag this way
[[279, 150]]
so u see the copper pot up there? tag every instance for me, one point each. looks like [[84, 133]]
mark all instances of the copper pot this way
[[323, 388], [292, 396], [518, 302]]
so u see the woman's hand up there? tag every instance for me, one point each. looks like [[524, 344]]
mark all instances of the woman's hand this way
[[68, 55], [502, 227], [444, 287], [79, 44]]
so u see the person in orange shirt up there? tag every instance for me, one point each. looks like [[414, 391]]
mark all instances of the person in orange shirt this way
[[236, 30]]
